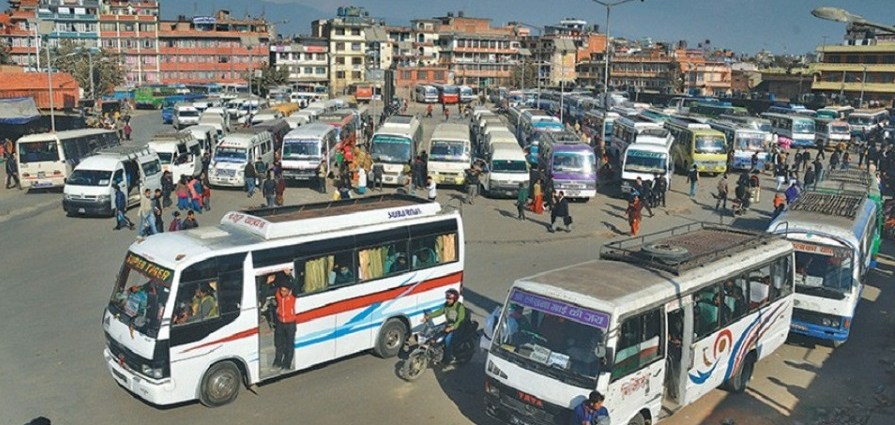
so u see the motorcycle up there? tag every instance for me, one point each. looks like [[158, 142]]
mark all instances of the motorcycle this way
[[429, 348]]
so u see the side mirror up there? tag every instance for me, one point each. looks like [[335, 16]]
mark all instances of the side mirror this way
[[604, 354]]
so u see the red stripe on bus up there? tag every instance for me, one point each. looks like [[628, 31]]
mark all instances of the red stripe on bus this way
[[234, 337], [367, 300]]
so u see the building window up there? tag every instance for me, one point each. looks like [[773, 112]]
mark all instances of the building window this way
[[308, 70], [321, 71], [356, 75], [407, 75], [357, 61], [340, 31], [439, 76], [340, 47], [340, 75], [340, 60], [355, 47]]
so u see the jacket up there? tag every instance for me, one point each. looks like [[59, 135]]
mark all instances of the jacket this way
[[286, 308], [454, 315], [120, 201], [561, 209]]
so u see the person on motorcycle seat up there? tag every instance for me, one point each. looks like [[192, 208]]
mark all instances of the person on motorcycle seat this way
[[455, 317]]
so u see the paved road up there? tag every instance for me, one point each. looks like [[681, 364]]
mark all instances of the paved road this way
[[58, 273]]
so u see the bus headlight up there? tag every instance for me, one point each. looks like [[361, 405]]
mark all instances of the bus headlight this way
[[104, 198], [67, 197], [152, 372]]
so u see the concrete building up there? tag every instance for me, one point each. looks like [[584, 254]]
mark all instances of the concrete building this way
[[130, 29], [212, 49], [476, 53], [347, 46], [702, 76], [75, 20], [651, 70], [19, 31], [862, 67], [555, 56], [306, 58]]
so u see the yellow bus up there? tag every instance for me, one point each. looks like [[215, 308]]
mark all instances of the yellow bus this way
[[696, 143], [286, 108]]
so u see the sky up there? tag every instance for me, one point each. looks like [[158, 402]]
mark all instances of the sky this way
[[745, 26]]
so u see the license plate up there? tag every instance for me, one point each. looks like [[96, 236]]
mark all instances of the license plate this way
[[120, 376], [82, 211], [42, 184]]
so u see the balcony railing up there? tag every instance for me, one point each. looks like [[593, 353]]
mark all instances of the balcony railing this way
[[66, 16]]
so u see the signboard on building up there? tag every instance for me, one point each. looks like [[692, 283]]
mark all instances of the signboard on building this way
[[204, 20], [375, 75]]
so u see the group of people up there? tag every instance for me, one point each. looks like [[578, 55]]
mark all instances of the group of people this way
[[645, 194], [151, 213]]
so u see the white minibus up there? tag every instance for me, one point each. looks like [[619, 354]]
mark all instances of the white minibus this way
[[179, 153], [304, 148], [450, 154], [90, 190], [395, 144], [234, 151], [45, 160]]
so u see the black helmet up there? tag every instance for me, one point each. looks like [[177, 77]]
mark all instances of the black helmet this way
[[452, 293]]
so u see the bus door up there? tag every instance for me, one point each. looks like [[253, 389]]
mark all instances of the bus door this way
[[267, 280], [638, 369], [679, 322]]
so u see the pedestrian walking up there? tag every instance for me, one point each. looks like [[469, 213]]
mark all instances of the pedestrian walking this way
[[429, 111], [846, 160], [780, 175], [779, 204], [723, 190], [810, 179], [361, 180], [147, 218], [121, 220], [378, 171], [206, 191], [834, 159], [419, 177], [167, 188], [249, 173], [818, 169], [158, 210], [431, 188], [634, 212], [183, 194], [12, 172], [281, 189], [521, 201], [537, 198], [269, 190], [127, 131], [560, 211], [472, 185], [190, 221], [260, 170], [693, 179], [176, 223], [196, 191], [321, 177], [660, 187]]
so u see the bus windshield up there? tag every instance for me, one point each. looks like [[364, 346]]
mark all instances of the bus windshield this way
[[140, 294], [301, 149], [646, 162], [89, 178], [859, 119], [449, 151], [803, 127], [750, 143], [507, 166], [551, 337], [823, 271], [573, 162], [709, 144], [38, 152], [226, 154], [839, 129], [165, 157], [391, 149]]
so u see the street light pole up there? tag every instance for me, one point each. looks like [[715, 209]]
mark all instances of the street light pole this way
[[863, 80], [608, 5], [50, 85]]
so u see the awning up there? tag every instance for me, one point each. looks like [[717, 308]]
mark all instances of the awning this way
[[18, 110]]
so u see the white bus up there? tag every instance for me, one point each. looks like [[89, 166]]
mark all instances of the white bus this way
[[466, 94], [245, 145], [744, 142], [450, 153], [396, 144], [425, 94], [45, 160], [863, 121], [627, 130], [829, 134], [654, 325], [304, 148], [797, 128], [363, 271], [648, 157], [833, 235]]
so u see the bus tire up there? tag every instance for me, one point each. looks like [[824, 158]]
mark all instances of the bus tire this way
[[638, 419], [220, 385], [391, 338], [664, 251], [738, 383]]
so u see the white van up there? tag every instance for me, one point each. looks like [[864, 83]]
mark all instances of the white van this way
[[648, 156], [232, 106], [185, 115], [220, 122], [207, 135], [304, 148], [266, 115], [310, 113], [234, 151], [250, 107], [498, 137], [506, 168], [450, 154], [178, 153], [297, 120], [89, 189]]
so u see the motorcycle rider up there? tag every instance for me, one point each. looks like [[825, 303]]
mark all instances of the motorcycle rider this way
[[455, 317]]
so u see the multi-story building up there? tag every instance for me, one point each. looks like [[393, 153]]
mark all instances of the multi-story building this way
[[862, 67], [555, 56], [75, 20], [19, 31], [650, 70], [347, 46], [212, 49], [410, 76], [478, 54], [306, 58], [702, 76], [130, 29]]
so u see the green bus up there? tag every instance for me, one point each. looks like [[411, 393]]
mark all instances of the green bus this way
[[716, 109], [856, 181], [152, 97]]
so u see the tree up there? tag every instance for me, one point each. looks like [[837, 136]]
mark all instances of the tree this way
[[5, 58], [530, 74], [271, 76], [74, 59]]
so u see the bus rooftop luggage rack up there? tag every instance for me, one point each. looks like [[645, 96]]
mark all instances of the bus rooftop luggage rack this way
[[841, 205], [852, 175], [684, 247], [306, 219], [400, 119]]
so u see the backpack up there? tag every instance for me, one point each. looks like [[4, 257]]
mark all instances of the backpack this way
[[198, 186]]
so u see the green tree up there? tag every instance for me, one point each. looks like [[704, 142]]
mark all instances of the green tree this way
[[271, 76], [75, 59], [530, 74], [5, 57]]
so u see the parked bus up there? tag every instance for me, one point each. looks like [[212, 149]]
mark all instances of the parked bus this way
[[716, 109], [744, 142], [534, 120], [797, 128], [859, 182], [152, 97], [863, 121], [833, 236], [45, 160], [362, 92], [754, 123], [424, 93], [305, 147], [570, 164], [466, 94], [345, 122], [598, 126], [830, 134], [672, 316], [627, 130], [395, 144], [363, 270], [696, 143], [835, 112], [648, 156], [447, 94], [450, 153]]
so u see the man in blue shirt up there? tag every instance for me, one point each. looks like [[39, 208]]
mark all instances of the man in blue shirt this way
[[591, 411]]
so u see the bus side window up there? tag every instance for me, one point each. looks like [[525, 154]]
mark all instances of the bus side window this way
[[428, 251], [318, 273], [782, 279], [209, 290], [706, 311], [383, 260], [640, 342], [759, 287]]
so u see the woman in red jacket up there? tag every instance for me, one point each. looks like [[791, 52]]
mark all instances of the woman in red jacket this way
[[284, 334]]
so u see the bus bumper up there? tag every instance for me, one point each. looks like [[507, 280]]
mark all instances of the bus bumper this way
[[711, 167], [446, 178], [159, 392], [74, 206], [503, 403], [819, 331]]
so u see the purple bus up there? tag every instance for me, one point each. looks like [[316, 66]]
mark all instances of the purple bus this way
[[571, 164]]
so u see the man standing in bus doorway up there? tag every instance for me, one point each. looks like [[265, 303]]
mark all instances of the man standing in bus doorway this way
[[284, 334], [693, 179]]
